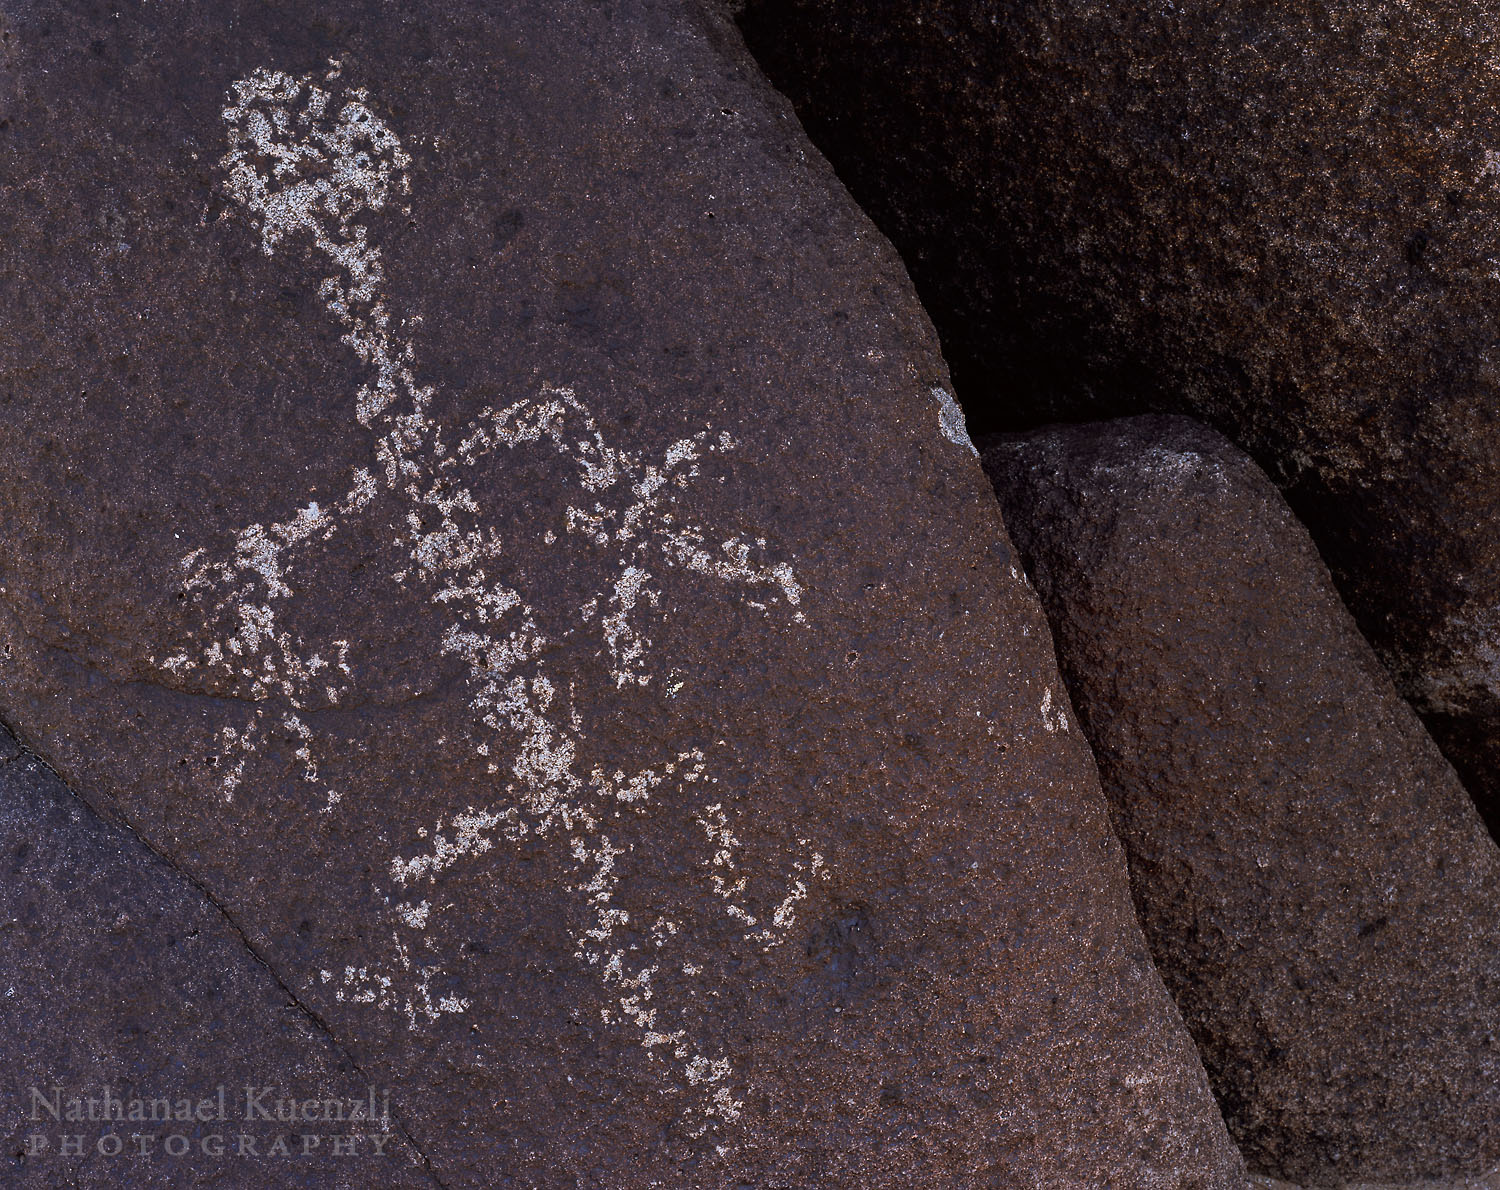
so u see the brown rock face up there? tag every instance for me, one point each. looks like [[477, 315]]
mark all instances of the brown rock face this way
[[122, 986], [441, 517], [1283, 218], [1315, 885]]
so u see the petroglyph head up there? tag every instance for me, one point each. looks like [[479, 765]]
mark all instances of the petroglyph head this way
[[303, 158]]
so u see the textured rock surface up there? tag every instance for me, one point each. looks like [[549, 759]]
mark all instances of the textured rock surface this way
[[1483, 1182], [1316, 887], [441, 516], [1284, 218], [116, 972]]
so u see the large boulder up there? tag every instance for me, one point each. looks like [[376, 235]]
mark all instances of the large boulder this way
[[146, 1044], [443, 516], [1283, 218], [1316, 887]]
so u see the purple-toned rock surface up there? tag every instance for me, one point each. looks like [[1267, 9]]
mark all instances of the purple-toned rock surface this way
[[1318, 892], [1281, 218], [443, 516], [146, 1045]]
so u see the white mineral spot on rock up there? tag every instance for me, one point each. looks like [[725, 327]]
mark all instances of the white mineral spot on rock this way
[[1053, 719], [951, 421]]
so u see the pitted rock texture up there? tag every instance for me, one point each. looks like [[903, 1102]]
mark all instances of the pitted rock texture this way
[[1316, 887], [121, 984], [440, 517], [1283, 218], [1483, 1182]]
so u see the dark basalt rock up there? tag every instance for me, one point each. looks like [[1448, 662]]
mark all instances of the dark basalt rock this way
[[440, 516], [1315, 885], [1282, 218], [119, 979]]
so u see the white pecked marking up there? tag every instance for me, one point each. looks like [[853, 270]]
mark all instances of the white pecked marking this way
[[309, 159]]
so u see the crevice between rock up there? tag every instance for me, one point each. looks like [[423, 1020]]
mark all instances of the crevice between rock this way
[[23, 751]]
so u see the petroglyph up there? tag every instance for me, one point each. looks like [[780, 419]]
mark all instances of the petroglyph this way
[[308, 160]]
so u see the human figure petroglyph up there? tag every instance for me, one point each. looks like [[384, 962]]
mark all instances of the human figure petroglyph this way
[[307, 160]]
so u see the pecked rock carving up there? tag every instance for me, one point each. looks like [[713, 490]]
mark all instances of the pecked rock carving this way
[[307, 158], [597, 842]]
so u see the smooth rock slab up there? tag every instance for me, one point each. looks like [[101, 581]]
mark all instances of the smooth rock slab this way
[[118, 976], [442, 515], [1316, 887], [1282, 218]]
